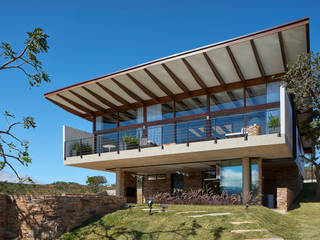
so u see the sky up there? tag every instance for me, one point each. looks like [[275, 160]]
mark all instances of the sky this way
[[93, 38]]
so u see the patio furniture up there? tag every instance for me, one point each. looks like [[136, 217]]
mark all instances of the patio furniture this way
[[242, 133]]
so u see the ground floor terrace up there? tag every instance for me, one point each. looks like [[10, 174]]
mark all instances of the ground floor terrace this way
[[270, 182]]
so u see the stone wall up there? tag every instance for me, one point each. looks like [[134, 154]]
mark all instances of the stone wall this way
[[149, 188], [284, 181], [193, 180], [48, 217]]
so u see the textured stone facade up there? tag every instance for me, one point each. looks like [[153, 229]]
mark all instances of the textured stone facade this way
[[149, 188], [48, 217], [283, 181]]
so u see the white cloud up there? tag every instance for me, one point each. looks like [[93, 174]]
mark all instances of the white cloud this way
[[231, 178], [7, 177]]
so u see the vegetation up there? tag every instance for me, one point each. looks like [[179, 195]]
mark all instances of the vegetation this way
[[201, 196], [57, 188], [300, 223], [273, 121], [96, 181], [130, 140], [82, 148], [11, 146], [302, 80]]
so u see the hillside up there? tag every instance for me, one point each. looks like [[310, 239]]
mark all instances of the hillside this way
[[57, 188]]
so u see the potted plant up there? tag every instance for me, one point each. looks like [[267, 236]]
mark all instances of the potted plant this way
[[274, 124], [130, 142], [78, 149]]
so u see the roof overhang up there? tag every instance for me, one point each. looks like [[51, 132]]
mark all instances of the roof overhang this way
[[249, 59]]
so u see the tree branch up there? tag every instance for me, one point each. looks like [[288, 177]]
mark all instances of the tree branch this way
[[15, 58]]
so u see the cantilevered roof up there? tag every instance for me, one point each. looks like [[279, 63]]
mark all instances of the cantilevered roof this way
[[250, 59]]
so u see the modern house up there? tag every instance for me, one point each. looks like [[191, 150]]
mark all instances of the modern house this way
[[212, 117]]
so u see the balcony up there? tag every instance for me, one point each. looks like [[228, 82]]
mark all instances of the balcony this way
[[222, 135]]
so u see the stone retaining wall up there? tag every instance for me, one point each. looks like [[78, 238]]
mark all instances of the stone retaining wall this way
[[48, 217]]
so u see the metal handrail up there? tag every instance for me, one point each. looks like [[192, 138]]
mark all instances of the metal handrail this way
[[214, 128]]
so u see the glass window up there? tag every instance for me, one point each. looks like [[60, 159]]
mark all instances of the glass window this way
[[190, 106], [273, 120], [254, 177], [228, 126], [130, 139], [231, 176], [273, 92], [106, 122], [191, 131], [226, 100], [177, 182], [152, 178], [132, 116], [107, 142], [160, 111], [256, 95]]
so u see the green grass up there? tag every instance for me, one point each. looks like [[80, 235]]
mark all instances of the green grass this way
[[306, 211], [300, 223], [57, 188], [137, 224]]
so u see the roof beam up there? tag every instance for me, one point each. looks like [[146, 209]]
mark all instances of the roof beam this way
[[159, 84], [128, 91], [144, 89], [214, 70], [194, 74], [77, 105], [258, 60], [87, 101], [174, 77], [283, 53], [235, 65], [112, 94], [101, 99], [68, 109]]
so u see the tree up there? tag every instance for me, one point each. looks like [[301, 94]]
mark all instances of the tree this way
[[302, 80], [96, 181], [11, 146]]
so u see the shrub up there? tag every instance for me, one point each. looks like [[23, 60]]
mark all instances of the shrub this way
[[201, 197]]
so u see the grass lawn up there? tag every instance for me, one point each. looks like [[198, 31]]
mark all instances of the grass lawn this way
[[300, 223], [137, 224]]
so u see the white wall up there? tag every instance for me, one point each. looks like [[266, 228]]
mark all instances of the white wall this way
[[286, 116], [69, 134]]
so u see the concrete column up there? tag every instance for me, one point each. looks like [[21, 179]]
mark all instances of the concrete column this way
[[245, 179], [119, 183]]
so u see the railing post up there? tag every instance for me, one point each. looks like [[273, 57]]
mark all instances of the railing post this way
[[118, 142], [188, 135], [161, 137], [245, 127], [80, 147], [99, 145], [139, 141], [215, 130]]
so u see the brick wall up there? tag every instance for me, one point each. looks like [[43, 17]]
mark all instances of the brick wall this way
[[48, 217]]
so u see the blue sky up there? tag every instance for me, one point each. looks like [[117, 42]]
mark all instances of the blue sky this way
[[93, 38]]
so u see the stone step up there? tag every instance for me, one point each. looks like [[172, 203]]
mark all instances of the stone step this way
[[264, 239], [248, 230], [239, 223], [210, 215]]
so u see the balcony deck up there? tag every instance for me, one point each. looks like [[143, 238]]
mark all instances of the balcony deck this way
[[265, 146]]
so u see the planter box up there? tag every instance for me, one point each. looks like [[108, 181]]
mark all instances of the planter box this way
[[274, 130]]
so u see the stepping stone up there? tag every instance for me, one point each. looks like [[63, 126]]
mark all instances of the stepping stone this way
[[239, 223], [248, 230], [191, 212], [148, 209], [265, 239], [210, 215]]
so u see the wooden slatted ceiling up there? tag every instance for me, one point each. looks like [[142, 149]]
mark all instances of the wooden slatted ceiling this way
[[220, 67]]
